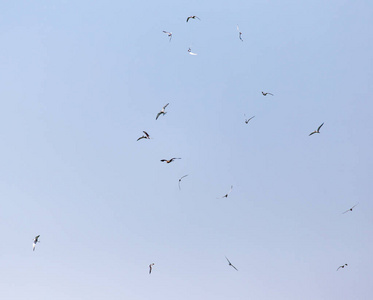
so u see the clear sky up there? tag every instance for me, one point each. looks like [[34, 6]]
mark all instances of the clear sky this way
[[81, 80]]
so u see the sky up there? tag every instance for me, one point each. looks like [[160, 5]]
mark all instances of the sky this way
[[81, 80]]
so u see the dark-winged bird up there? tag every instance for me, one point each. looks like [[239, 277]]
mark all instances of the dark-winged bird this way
[[162, 112], [36, 240], [265, 94], [248, 120], [316, 131], [350, 209], [151, 268], [146, 136], [180, 180], [192, 17], [239, 33], [231, 264], [345, 265], [169, 160], [226, 195], [169, 34]]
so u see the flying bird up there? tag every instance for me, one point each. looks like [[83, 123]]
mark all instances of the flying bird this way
[[226, 195], [248, 120], [36, 240], [239, 33], [170, 160], [231, 264], [180, 180], [190, 52], [169, 34], [151, 268], [316, 131], [345, 265], [350, 208], [145, 136], [162, 112], [265, 94], [192, 17]]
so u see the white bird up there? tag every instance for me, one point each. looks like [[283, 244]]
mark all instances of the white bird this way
[[36, 240], [190, 52], [239, 33], [316, 131], [162, 112], [169, 34]]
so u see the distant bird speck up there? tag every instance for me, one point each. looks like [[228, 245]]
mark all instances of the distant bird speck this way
[[226, 195], [36, 240], [180, 180], [192, 17], [248, 120], [190, 52], [316, 131], [151, 268], [231, 264], [170, 160], [239, 33], [169, 34], [345, 265], [162, 112], [350, 209], [145, 136], [265, 94]]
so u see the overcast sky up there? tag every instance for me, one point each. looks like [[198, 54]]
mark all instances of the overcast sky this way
[[81, 80]]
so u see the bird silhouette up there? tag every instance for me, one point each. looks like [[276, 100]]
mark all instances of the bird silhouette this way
[[345, 265], [226, 195], [162, 112], [151, 268], [239, 33], [265, 94], [316, 131], [190, 52], [145, 136], [192, 17], [350, 209], [169, 34], [231, 264], [180, 180], [248, 120], [170, 160], [36, 240]]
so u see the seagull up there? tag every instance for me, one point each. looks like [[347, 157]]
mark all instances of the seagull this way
[[248, 120], [316, 131], [226, 195], [345, 265], [36, 240], [180, 180], [239, 33], [162, 112], [231, 264], [190, 52], [169, 34], [265, 94], [350, 208], [170, 160], [146, 136], [192, 17], [150, 268]]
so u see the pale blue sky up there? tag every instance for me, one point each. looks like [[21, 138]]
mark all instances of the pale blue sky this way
[[80, 82]]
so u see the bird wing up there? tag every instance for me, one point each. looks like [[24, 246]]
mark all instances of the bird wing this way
[[191, 53], [163, 159], [150, 269], [188, 19], [141, 137], [238, 29], [37, 236], [147, 135], [354, 205], [184, 176], [230, 189], [320, 126], [164, 107], [234, 267], [312, 133], [270, 94], [197, 18], [339, 267], [166, 32], [228, 260], [33, 246], [250, 119], [158, 115]]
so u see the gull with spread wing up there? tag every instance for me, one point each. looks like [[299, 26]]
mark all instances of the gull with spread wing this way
[[36, 240], [162, 112], [316, 131], [265, 94], [180, 180], [192, 17], [169, 34], [231, 264], [350, 209], [170, 160], [145, 136]]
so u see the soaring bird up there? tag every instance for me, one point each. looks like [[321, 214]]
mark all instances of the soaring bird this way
[[350, 208], [170, 160], [265, 94], [146, 136], [190, 52], [151, 268], [36, 240], [169, 34], [239, 33], [345, 265], [162, 112], [316, 131], [248, 120], [180, 180], [226, 195], [231, 264], [192, 17]]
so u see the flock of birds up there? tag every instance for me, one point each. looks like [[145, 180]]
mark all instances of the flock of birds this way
[[163, 112]]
